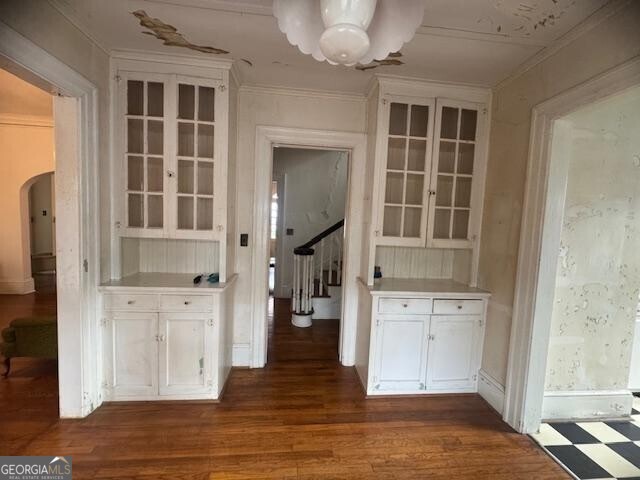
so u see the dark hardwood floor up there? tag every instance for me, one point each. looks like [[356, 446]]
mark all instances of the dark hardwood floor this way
[[303, 416]]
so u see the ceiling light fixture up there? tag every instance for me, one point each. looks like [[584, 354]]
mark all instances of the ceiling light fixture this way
[[348, 31]]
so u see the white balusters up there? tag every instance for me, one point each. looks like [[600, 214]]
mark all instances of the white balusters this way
[[321, 268]]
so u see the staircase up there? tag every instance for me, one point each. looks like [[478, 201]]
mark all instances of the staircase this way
[[317, 277]]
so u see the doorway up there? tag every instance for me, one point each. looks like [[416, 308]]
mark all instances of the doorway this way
[[355, 231], [309, 190], [75, 122], [559, 201], [42, 233]]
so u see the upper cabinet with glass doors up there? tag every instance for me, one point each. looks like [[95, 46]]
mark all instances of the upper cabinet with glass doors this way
[[429, 171], [173, 164]]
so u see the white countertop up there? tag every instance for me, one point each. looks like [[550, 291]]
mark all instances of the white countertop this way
[[423, 287], [166, 281]]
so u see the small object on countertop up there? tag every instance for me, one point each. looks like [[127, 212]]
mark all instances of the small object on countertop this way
[[213, 278], [377, 273], [197, 279]]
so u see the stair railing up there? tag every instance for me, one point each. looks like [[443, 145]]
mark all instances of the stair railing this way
[[320, 256]]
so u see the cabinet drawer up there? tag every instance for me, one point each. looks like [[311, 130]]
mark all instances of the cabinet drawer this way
[[414, 306], [131, 302], [458, 307], [186, 303]]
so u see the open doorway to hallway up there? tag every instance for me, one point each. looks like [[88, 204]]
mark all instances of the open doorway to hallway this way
[[27, 248], [309, 190]]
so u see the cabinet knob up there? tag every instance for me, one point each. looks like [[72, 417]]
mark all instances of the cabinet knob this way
[[187, 302], [131, 302], [432, 192], [171, 174], [405, 305], [459, 307]]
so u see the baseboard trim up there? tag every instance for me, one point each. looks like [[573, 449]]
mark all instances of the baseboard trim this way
[[491, 390], [241, 355], [17, 287], [586, 405]]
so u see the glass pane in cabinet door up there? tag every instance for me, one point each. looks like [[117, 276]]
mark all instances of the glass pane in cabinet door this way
[[155, 99], [205, 140], [205, 213], [444, 191], [392, 221], [186, 101], [417, 155], [206, 104], [398, 119], [463, 192], [460, 224], [449, 123], [185, 176], [395, 153], [135, 140], [155, 137], [155, 174], [466, 152], [154, 211], [185, 139], [419, 121], [135, 203], [135, 173], [412, 222], [135, 97], [394, 188], [468, 122], [185, 213], [441, 222], [447, 157], [414, 189], [205, 178]]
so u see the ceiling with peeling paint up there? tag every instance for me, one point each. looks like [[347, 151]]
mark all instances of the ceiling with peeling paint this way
[[477, 42]]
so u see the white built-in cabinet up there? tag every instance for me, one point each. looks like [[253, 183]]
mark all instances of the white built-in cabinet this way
[[163, 344], [429, 164], [417, 342], [174, 172]]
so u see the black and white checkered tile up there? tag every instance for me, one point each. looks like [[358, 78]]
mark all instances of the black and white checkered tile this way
[[595, 450]]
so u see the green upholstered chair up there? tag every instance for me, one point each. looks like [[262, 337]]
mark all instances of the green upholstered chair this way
[[29, 337]]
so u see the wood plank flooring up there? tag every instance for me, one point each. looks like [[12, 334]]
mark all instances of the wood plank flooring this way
[[303, 416]]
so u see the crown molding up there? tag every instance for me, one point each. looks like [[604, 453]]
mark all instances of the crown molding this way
[[171, 58], [385, 78], [571, 36], [25, 120], [301, 92], [74, 20]]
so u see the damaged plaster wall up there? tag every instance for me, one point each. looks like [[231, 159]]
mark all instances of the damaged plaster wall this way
[[611, 42], [598, 270], [315, 196]]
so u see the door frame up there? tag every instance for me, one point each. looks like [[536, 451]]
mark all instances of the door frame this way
[[539, 243], [355, 143], [77, 221]]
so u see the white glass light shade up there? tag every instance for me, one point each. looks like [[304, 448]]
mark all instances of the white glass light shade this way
[[394, 22], [345, 39]]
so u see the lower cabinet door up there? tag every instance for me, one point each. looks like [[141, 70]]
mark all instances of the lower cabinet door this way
[[132, 356], [185, 353], [453, 352], [401, 350]]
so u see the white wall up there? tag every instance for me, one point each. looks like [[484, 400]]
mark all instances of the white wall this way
[[314, 199], [611, 42], [41, 23], [26, 151], [598, 273], [268, 107]]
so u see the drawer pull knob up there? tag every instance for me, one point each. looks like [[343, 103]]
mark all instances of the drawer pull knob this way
[[131, 302], [459, 307], [187, 302], [405, 305]]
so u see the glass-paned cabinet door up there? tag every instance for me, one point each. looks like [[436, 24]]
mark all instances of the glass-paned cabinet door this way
[[196, 157], [455, 167], [144, 102], [405, 175]]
